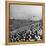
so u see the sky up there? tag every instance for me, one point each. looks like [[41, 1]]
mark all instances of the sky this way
[[25, 12]]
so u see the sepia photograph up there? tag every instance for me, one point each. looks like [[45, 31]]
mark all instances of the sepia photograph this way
[[25, 23]]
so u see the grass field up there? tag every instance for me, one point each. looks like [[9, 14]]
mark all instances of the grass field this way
[[16, 23]]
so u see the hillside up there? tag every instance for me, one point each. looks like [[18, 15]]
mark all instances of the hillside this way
[[17, 23]]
